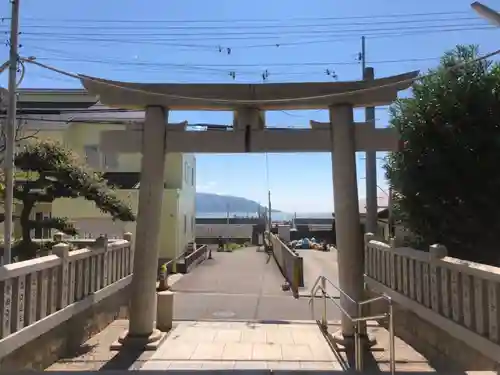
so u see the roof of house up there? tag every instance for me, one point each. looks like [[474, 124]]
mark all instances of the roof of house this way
[[382, 200]]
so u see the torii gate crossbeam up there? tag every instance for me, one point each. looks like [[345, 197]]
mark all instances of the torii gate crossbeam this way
[[367, 138]]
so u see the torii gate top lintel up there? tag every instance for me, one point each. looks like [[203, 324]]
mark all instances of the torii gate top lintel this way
[[231, 96]]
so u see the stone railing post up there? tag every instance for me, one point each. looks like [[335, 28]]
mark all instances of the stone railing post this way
[[438, 285], [438, 251], [127, 237], [393, 265], [58, 237], [104, 275], [99, 243], [368, 237], [392, 242], [62, 251], [129, 257]]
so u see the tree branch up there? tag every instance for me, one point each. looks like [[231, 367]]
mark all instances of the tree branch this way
[[19, 136], [59, 223]]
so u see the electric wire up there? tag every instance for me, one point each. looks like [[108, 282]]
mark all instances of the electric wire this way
[[294, 25], [244, 36], [225, 69], [401, 27], [255, 34], [215, 67], [250, 102], [277, 43], [294, 19]]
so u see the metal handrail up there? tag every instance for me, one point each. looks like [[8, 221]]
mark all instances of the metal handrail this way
[[326, 279], [358, 319], [320, 284], [326, 295], [375, 299]]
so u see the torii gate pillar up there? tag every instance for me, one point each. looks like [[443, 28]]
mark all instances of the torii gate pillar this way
[[346, 206], [142, 331]]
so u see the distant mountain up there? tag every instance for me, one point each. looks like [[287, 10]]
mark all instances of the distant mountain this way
[[208, 203]]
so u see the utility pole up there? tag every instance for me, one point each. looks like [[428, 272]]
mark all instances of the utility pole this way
[[371, 156], [392, 232], [10, 130], [227, 222], [270, 219], [363, 55]]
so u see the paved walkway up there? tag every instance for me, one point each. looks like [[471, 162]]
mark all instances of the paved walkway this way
[[241, 319], [226, 345], [318, 263], [269, 308], [242, 285], [222, 345], [244, 271]]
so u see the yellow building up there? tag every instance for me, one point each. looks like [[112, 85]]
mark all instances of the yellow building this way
[[74, 119]]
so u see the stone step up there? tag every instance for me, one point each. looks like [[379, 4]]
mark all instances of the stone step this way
[[253, 372]]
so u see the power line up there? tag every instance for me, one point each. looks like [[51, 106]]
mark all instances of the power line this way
[[257, 34], [216, 67], [249, 102], [294, 25], [233, 70], [277, 39], [132, 21]]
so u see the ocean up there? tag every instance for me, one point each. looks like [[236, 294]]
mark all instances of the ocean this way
[[276, 216]]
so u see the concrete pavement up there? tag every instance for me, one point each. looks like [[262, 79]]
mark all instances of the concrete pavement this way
[[318, 263], [218, 306], [242, 285], [244, 271]]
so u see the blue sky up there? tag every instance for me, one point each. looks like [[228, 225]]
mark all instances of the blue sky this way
[[182, 40]]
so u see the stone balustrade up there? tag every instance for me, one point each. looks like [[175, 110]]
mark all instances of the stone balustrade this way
[[458, 296], [34, 289], [290, 263]]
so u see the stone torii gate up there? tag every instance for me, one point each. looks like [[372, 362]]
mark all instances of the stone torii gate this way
[[155, 137]]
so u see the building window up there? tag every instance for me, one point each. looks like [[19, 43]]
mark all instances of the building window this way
[[192, 176], [92, 156], [110, 160], [38, 230], [185, 223], [192, 223], [42, 233]]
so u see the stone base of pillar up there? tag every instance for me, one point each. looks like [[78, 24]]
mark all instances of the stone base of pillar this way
[[347, 342], [143, 343]]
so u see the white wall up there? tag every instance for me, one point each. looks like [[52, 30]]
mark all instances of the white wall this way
[[94, 227], [186, 210], [224, 230], [284, 232]]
